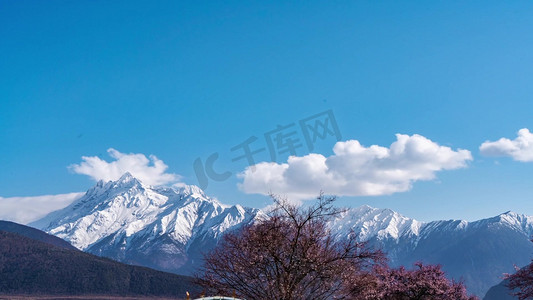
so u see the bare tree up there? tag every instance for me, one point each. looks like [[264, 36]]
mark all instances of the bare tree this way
[[292, 255]]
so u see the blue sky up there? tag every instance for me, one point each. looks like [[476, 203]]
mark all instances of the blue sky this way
[[183, 80]]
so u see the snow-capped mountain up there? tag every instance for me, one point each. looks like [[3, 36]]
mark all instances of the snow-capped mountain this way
[[477, 252], [169, 228], [370, 223], [159, 227]]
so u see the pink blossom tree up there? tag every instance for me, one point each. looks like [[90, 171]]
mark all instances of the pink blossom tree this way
[[290, 255], [521, 282], [424, 282]]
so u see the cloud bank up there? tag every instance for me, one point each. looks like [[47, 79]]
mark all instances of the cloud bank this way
[[150, 170], [355, 170], [520, 149], [28, 209]]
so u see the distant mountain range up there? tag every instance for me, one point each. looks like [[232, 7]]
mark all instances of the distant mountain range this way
[[33, 263], [477, 252], [169, 228]]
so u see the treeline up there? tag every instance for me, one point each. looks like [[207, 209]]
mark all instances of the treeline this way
[[34, 234], [28, 266]]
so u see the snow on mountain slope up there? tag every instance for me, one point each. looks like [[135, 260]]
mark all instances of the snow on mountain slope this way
[[160, 227], [385, 224], [477, 252], [370, 223]]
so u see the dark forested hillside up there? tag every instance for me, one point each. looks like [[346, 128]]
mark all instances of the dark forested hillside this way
[[28, 266], [34, 234]]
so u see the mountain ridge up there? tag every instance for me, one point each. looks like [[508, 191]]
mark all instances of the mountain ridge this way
[[34, 234], [168, 228]]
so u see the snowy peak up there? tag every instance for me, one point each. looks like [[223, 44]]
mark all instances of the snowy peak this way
[[371, 222], [191, 190], [513, 220], [125, 219], [127, 180]]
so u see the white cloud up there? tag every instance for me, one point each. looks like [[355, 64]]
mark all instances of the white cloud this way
[[27, 209], [355, 170], [521, 148], [149, 170]]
